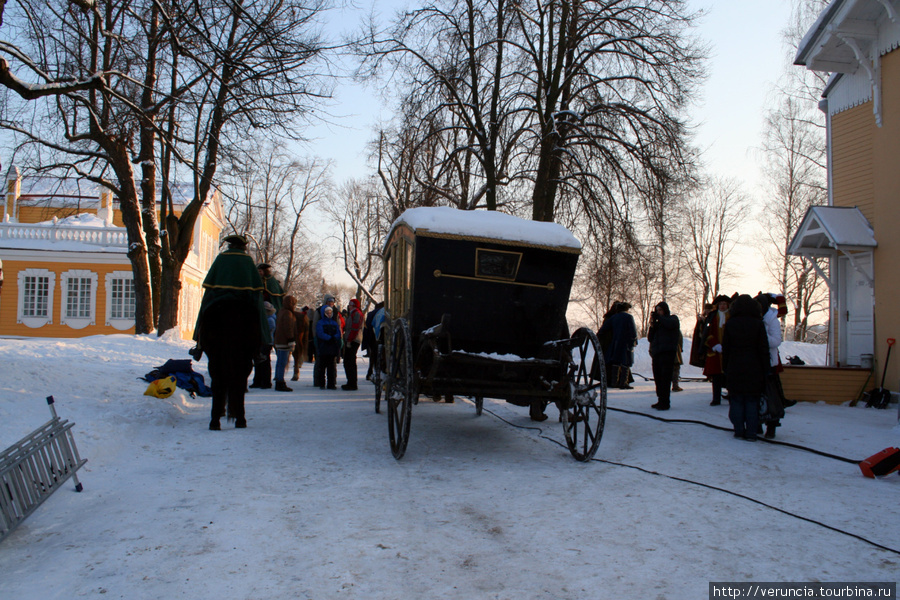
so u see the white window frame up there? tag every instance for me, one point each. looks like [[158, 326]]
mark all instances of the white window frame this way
[[120, 324], [32, 321], [77, 322]]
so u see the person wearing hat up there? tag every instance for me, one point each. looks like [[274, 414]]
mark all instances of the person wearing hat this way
[[231, 325], [273, 294], [272, 290], [262, 364], [715, 332], [327, 301], [231, 274], [328, 340]]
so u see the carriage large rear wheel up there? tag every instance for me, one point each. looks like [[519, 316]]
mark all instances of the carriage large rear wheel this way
[[400, 388], [585, 416], [378, 373]]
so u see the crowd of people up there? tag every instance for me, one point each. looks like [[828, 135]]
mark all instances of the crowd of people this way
[[324, 336], [735, 341]]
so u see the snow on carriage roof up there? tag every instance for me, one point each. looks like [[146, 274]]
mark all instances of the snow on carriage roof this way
[[486, 224]]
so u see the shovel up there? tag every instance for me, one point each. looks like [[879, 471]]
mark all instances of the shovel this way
[[881, 397]]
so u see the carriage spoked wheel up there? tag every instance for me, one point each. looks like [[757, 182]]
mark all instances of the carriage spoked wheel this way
[[585, 416], [400, 387], [479, 405], [378, 375]]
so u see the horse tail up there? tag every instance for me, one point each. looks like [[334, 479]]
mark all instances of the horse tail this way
[[232, 407]]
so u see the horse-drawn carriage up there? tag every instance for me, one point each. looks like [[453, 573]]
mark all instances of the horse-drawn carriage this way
[[475, 305]]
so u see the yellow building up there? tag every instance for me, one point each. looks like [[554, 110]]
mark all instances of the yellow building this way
[[856, 239], [65, 268]]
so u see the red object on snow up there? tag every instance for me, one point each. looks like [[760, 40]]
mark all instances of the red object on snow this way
[[884, 463]]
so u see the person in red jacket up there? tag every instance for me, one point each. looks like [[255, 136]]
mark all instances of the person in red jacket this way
[[353, 332], [715, 331]]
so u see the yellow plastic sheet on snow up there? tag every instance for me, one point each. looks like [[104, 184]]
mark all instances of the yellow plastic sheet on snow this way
[[161, 388]]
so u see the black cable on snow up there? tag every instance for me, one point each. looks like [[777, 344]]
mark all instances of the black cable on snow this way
[[706, 485], [721, 428], [755, 501]]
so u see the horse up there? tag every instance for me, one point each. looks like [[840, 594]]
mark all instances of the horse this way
[[230, 335]]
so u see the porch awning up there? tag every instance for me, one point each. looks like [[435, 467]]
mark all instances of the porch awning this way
[[829, 230]]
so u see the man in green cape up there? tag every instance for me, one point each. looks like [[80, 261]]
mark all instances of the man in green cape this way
[[272, 290], [232, 274]]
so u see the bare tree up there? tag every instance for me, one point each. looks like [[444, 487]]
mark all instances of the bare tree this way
[[452, 56], [270, 193], [552, 92], [712, 218], [75, 68], [139, 73], [254, 65], [356, 210], [794, 154], [795, 169], [605, 88]]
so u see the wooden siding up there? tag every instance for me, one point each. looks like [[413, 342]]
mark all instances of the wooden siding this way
[[852, 139], [832, 385], [10, 299]]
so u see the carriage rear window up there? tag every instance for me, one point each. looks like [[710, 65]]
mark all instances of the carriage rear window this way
[[497, 264]]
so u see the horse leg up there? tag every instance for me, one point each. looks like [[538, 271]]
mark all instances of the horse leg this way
[[237, 389], [219, 392]]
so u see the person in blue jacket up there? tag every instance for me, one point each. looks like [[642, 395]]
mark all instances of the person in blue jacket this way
[[328, 338]]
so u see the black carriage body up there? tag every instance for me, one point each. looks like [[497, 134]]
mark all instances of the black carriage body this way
[[475, 305], [482, 312], [489, 314]]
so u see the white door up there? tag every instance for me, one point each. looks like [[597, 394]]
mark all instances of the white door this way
[[857, 309]]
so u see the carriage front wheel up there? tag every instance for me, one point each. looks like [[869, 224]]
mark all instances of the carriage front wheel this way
[[400, 389], [585, 416]]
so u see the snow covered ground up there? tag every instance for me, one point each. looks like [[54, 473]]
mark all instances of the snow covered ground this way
[[307, 502]]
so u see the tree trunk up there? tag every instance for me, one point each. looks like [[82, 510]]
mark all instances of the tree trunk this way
[[137, 249], [170, 292], [146, 157], [543, 197]]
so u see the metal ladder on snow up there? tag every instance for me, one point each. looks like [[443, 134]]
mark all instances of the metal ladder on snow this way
[[35, 467]]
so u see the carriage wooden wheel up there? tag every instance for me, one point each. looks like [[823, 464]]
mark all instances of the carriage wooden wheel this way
[[585, 416], [378, 374], [400, 389]]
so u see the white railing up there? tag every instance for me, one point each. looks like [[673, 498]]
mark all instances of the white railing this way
[[95, 236]]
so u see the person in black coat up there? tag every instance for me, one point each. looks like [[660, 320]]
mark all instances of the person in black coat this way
[[619, 333], [745, 361], [665, 329]]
